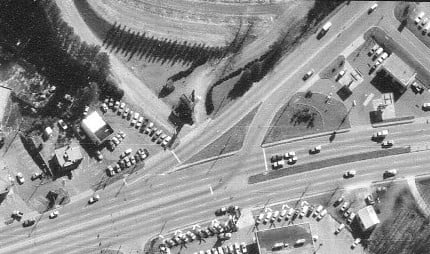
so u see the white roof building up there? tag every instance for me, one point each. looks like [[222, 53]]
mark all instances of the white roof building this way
[[96, 128], [367, 218]]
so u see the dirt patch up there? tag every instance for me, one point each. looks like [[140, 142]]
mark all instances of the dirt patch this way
[[307, 114], [230, 141], [424, 189], [333, 68]]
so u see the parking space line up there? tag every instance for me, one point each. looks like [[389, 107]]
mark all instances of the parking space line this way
[[265, 159], [176, 156], [368, 99]]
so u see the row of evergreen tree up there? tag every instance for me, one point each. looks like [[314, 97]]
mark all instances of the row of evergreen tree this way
[[131, 43]]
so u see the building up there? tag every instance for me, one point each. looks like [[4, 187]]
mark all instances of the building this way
[[399, 71], [68, 158], [96, 129], [367, 218], [283, 240], [47, 133]]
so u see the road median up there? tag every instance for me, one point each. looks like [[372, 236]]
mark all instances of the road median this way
[[326, 163]]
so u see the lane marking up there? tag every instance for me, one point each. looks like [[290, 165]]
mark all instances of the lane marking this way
[[176, 157], [368, 99], [212, 191]]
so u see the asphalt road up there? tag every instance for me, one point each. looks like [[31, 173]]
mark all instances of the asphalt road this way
[[154, 202]]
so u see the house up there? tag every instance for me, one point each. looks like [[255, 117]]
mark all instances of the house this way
[[68, 158], [96, 129], [47, 133], [367, 218]]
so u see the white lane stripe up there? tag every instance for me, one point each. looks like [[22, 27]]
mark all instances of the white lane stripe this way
[[176, 157], [265, 159]]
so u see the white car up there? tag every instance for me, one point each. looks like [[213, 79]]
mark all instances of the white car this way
[[260, 218], [139, 122], [244, 249], [149, 127], [110, 171], [419, 17], [166, 141], [355, 243], [278, 164], [94, 199], [315, 150], [305, 210], [379, 51], [373, 8], [351, 218], [126, 153], [373, 49], [135, 117], [345, 206], [289, 155], [322, 214], [86, 109], [380, 134], [275, 216], [116, 106], [268, 217], [424, 21], [318, 210], [20, 178], [340, 228], [62, 124], [292, 160], [54, 214], [104, 107], [387, 143]]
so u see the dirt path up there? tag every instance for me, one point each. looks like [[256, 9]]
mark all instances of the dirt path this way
[[136, 92]]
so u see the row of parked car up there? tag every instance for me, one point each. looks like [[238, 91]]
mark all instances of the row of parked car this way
[[423, 23], [380, 136], [127, 160], [138, 121], [235, 248], [378, 54], [289, 213]]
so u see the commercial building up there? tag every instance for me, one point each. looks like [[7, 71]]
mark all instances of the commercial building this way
[[97, 130], [399, 71], [284, 240], [367, 218], [68, 158]]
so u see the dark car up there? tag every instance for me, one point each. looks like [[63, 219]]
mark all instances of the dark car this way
[[28, 222], [308, 74]]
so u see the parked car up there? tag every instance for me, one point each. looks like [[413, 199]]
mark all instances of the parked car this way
[[115, 140], [315, 150], [350, 218], [424, 21], [373, 49], [221, 211], [260, 218], [158, 132], [289, 155], [28, 222], [322, 214], [278, 164], [126, 153], [104, 108], [345, 206], [54, 214], [347, 213], [17, 215], [387, 143], [378, 52], [122, 134], [275, 158], [426, 106], [110, 171], [93, 199], [244, 249], [340, 228], [99, 155], [416, 87], [135, 118], [125, 113], [308, 74], [86, 109], [355, 243], [20, 178], [372, 8], [62, 125], [36, 175], [139, 122], [149, 127], [318, 210], [224, 236], [166, 141], [350, 173], [338, 201]]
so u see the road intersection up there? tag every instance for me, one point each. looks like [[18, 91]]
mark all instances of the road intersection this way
[[169, 201]]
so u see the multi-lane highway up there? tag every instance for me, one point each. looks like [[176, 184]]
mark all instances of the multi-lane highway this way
[[154, 202]]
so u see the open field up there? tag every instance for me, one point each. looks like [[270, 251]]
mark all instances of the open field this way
[[230, 141], [304, 116], [403, 229]]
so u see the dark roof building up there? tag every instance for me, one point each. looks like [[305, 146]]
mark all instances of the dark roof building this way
[[97, 130]]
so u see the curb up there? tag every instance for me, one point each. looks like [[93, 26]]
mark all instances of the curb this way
[[392, 123], [304, 138], [202, 161]]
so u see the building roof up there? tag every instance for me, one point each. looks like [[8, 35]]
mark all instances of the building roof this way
[[399, 70], [266, 239], [68, 155], [95, 127], [368, 217]]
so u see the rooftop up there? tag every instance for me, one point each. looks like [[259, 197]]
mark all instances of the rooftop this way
[[95, 127], [68, 155], [399, 70], [368, 217], [266, 239]]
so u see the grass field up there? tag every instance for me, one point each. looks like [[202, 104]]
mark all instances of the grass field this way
[[290, 121], [404, 230], [230, 141]]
